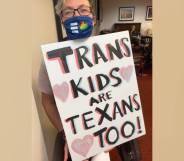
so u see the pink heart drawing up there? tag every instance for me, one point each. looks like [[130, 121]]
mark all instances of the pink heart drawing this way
[[61, 91], [126, 72], [82, 146]]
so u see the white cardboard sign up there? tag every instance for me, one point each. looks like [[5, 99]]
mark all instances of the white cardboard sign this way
[[95, 88]]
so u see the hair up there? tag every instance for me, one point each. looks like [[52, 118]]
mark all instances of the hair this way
[[60, 3]]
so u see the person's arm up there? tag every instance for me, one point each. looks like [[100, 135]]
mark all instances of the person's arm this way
[[51, 110]]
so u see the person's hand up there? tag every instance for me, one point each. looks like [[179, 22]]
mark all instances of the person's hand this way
[[108, 150], [66, 152]]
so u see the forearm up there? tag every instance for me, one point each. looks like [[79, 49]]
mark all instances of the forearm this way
[[51, 111]]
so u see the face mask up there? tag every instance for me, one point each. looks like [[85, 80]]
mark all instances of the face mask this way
[[78, 27]]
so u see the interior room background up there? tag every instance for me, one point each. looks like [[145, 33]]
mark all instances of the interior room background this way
[[44, 31]]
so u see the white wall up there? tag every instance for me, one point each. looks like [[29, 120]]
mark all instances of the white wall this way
[[43, 31], [110, 11]]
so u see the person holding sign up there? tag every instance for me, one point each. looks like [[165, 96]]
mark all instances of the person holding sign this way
[[78, 20]]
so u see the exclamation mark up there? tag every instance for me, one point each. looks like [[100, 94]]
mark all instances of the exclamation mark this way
[[139, 125]]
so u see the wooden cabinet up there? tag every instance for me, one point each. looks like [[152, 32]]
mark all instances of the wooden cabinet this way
[[127, 26]]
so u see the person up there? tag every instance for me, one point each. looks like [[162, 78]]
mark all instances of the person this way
[[80, 13], [133, 31], [134, 35]]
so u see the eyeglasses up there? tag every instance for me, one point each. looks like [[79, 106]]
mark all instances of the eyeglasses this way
[[83, 11]]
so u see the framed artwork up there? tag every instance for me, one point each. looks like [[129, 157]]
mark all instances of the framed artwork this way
[[149, 13], [126, 13]]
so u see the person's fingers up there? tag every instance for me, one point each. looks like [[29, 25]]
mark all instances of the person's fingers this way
[[66, 152], [108, 150]]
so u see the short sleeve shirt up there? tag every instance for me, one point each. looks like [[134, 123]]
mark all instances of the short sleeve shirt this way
[[43, 83]]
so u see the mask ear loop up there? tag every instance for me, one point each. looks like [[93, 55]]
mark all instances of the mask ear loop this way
[[62, 24], [93, 16], [94, 20], [60, 16]]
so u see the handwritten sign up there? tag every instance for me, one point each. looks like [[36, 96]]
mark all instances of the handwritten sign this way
[[95, 88]]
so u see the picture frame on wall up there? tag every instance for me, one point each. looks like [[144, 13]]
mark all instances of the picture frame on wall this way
[[149, 13], [126, 13]]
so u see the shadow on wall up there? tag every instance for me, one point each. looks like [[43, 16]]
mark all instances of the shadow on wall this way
[[38, 144], [42, 129]]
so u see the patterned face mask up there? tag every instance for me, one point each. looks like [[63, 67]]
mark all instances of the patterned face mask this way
[[78, 27]]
